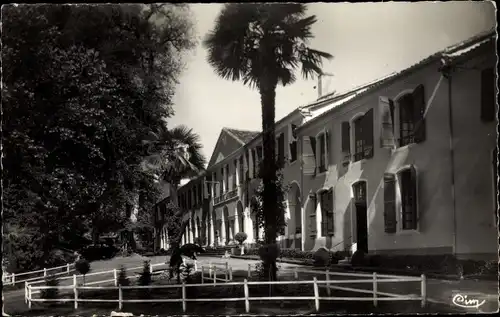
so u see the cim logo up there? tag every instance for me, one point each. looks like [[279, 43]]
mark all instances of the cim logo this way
[[465, 302]]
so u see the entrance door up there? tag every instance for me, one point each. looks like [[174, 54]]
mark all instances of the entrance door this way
[[361, 212], [362, 227]]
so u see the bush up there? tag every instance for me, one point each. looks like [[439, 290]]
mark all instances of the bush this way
[[240, 237], [82, 266], [145, 279], [321, 258], [358, 258], [122, 277], [50, 293]]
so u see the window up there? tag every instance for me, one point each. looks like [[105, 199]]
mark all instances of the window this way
[[235, 172], [408, 185], [241, 170], [488, 84], [411, 108], [346, 142], [226, 177], [293, 143], [363, 136], [322, 159], [406, 120], [281, 149], [327, 227], [308, 155], [221, 183], [360, 192], [312, 216], [254, 163]]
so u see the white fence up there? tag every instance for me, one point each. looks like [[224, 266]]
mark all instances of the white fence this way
[[212, 268], [373, 279], [12, 279]]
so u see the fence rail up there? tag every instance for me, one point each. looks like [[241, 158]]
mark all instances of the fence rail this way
[[373, 279], [13, 278]]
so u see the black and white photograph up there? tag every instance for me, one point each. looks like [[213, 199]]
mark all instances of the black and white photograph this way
[[249, 159]]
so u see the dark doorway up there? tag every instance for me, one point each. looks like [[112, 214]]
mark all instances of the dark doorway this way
[[361, 209]]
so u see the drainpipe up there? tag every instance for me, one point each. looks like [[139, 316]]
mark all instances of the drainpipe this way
[[447, 73]]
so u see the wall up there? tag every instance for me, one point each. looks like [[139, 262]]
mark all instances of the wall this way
[[430, 157], [474, 142]]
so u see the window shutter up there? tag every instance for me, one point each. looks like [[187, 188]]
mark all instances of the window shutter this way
[[418, 113], [390, 203], [327, 148], [414, 189], [368, 133], [346, 138], [386, 123], [488, 84], [308, 157], [330, 213]]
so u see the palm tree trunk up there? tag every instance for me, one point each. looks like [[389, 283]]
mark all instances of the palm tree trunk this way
[[268, 95]]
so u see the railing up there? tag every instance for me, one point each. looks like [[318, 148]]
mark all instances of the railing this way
[[226, 196], [12, 279], [213, 267], [28, 287], [247, 299]]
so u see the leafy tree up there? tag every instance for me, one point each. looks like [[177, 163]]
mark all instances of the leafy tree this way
[[174, 155], [145, 279], [93, 82], [262, 45], [82, 266]]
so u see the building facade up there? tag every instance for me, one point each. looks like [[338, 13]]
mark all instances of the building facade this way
[[406, 164]]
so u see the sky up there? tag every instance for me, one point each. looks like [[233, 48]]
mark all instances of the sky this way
[[367, 40]]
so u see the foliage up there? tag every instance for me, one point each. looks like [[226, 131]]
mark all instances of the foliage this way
[[82, 266], [257, 206], [321, 257], [93, 82], [240, 237], [50, 293], [122, 277], [145, 279]]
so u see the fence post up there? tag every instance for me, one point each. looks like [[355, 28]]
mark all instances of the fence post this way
[[375, 289], [13, 279], [115, 275], [230, 273], [183, 297], [215, 275], [316, 294], [328, 291], [423, 289], [295, 273], [226, 267], [249, 270], [247, 302], [44, 272], [75, 290], [29, 296], [202, 274], [225, 274], [120, 297], [196, 265]]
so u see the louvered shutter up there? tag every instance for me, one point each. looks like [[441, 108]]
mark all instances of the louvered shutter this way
[[386, 123], [308, 157], [414, 191], [368, 133], [488, 84], [390, 221], [346, 142], [330, 213], [327, 148], [418, 113]]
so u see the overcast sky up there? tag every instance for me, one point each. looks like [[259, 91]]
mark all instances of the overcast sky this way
[[368, 41]]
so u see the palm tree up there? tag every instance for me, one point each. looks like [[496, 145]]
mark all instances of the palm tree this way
[[173, 155], [262, 45]]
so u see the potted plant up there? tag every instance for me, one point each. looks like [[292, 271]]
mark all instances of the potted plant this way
[[241, 237]]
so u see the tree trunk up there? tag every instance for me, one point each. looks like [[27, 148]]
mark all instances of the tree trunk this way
[[268, 95]]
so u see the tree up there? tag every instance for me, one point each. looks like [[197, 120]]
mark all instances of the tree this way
[[92, 82], [174, 155], [262, 45]]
